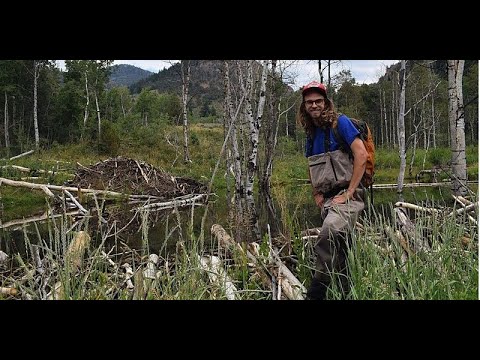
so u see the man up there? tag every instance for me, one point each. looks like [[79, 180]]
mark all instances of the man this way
[[335, 179]]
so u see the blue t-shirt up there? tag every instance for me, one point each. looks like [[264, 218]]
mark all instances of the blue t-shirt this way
[[345, 129]]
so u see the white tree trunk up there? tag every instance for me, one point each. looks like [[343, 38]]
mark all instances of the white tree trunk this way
[[7, 138], [271, 130], [85, 116], [98, 116], [185, 83], [456, 118], [123, 106], [401, 128], [255, 124], [229, 114], [36, 68]]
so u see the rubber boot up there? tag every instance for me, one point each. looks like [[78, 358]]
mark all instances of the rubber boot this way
[[317, 290]]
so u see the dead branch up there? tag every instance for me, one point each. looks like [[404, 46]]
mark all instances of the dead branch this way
[[58, 188], [415, 207], [42, 217], [173, 203], [44, 188], [142, 172], [22, 155], [79, 206]]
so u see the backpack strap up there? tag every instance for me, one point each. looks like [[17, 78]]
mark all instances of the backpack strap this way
[[310, 145], [326, 140], [342, 144]]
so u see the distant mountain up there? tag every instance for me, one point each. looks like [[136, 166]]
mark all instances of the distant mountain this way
[[206, 81], [126, 75]]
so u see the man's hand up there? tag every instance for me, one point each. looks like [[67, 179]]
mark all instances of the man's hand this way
[[318, 199], [343, 197]]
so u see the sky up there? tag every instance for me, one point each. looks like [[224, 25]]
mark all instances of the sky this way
[[364, 71]]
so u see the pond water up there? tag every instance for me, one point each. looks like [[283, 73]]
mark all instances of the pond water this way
[[159, 231]]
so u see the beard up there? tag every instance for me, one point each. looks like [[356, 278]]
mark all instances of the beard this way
[[322, 121]]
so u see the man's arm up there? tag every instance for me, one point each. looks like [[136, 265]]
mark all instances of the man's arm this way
[[359, 163]]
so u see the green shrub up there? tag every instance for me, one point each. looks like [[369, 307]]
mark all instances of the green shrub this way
[[109, 140], [439, 156], [194, 138]]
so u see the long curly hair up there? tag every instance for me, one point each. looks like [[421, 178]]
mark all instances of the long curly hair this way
[[328, 118]]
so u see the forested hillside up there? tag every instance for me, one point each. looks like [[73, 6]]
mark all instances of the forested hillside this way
[[126, 75]]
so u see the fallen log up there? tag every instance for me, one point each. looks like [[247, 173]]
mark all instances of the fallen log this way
[[172, 203], [42, 217], [416, 207], [22, 155], [44, 188], [28, 170], [216, 274], [291, 286], [473, 206], [58, 188]]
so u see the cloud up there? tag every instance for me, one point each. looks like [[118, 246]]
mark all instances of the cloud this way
[[364, 71]]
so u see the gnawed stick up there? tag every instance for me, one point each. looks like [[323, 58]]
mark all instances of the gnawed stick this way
[[73, 260], [216, 274], [8, 291], [311, 232], [415, 207], [128, 276], [76, 249], [149, 274], [3, 257]]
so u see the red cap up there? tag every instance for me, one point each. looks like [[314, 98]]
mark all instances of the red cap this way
[[315, 85]]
